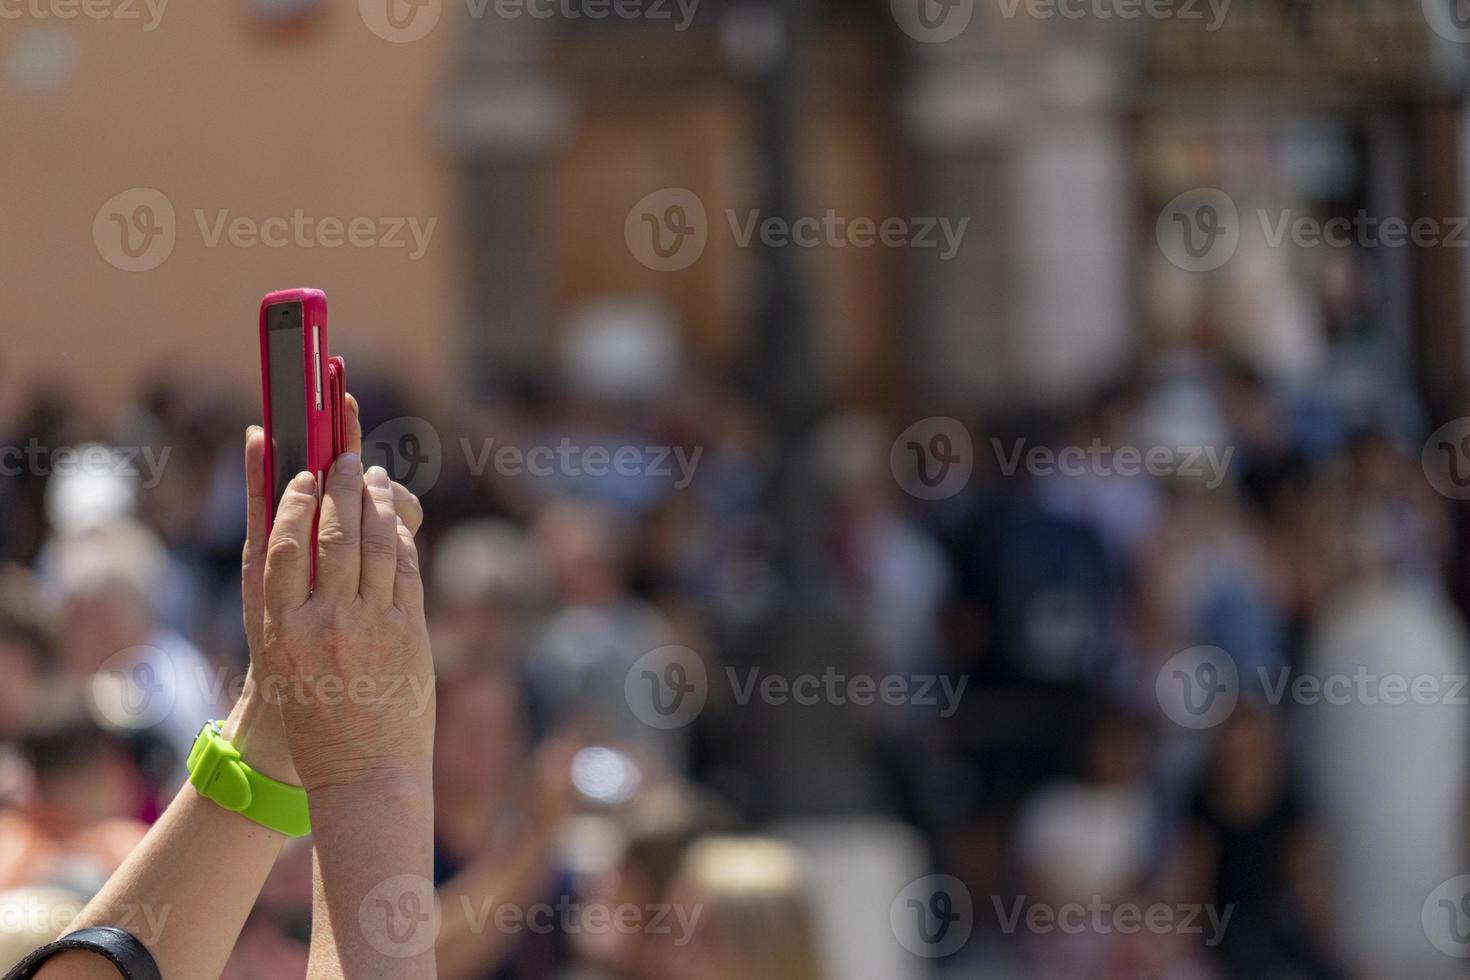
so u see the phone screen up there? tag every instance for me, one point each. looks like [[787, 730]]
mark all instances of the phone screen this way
[[287, 393]]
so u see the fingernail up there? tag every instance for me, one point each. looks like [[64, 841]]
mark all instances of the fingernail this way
[[377, 477], [303, 482], [251, 430], [349, 464]]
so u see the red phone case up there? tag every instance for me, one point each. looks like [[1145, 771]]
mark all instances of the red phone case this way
[[326, 388], [337, 383]]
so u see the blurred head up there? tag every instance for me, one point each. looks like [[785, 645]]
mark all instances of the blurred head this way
[[654, 829], [106, 585], [83, 774], [1119, 751], [620, 352], [485, 561], [586, 547], [25, 653], [485, 578], [852, 456], [1247, 770], [479, 734], [22, 655], [753, 914]]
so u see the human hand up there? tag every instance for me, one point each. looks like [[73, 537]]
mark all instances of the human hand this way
[[553, 795], [260, 733], [355, 652], [257, 529]]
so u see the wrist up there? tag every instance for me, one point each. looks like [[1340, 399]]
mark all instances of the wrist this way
[[356, 759], [389, 794], [255, 729], [219, 773]]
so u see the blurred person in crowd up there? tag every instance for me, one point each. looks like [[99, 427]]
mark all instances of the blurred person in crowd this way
[[1207, 579], [1399, 522], [1124, 508], [498, 812], [709, 542], [1305, 511], [47, 421], [617, 358], [897, 572], [194, 501], [650, 836], [489, 583], [1206, 569], [582, 653], [77, 818], [1387, 748], [612, 389], [197, 430], [746, 900], [1048, 594], [1058, 588], [1088, 844], [27, 653], [1251, 840], [1255, 414], [480, 742], [106, 586]]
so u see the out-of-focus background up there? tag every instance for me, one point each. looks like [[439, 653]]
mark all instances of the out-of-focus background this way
[[940, 488]]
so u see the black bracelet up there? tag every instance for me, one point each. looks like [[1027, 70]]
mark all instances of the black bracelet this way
[[122, 949]]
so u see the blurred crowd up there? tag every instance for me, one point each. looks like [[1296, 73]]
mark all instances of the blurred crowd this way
[[1286, 837]]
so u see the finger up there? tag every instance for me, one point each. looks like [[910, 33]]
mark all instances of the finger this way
[[408, 507], [408, 587], [338, 547], [354, 426], [252, 560], [554, 759], [256, 531], [379, 539], [288, 556]]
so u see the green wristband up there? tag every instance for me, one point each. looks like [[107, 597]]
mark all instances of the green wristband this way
[[216, 771]]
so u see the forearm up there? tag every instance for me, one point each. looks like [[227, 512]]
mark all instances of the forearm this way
[[186, 889], [374, 897]]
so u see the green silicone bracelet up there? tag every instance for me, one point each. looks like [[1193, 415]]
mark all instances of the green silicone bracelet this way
[[216, 771]]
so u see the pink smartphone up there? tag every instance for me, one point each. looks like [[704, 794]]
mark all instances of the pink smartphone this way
[[303, 391]]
